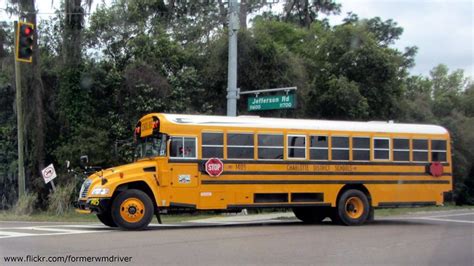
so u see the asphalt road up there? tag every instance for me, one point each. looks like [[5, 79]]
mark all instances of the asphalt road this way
[[427, 239]]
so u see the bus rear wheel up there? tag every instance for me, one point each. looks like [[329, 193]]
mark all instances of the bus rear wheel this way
[[310, 215], [353, 207], [106, 218], [132, 209]]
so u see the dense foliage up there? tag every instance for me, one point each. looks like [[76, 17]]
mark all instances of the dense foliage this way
[[100, 73]]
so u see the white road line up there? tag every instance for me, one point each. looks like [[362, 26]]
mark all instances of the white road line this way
[[445, 220], [50, 234], [167, 225], [451, 215], [96, 226], [6, 234], [52, 227], [59, 230], [35, 231]]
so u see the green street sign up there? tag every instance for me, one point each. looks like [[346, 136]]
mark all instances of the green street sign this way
[[271, 102]]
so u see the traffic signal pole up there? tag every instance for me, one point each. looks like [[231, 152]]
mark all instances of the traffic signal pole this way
[[20, 123], [232, 93]]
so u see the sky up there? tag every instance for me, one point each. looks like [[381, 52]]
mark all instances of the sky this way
[[443, 30]]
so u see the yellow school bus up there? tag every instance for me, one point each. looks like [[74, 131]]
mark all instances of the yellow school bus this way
[[317, 168]]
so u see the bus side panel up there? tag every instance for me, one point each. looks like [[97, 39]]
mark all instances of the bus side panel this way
[[414, 194]]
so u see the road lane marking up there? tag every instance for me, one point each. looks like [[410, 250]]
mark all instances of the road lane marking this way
[[445, 220], [7, 234], [35, 231], [442, 218], [451, 215]]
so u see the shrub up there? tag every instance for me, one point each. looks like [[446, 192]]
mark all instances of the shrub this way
[[25, 204], [60, 201]]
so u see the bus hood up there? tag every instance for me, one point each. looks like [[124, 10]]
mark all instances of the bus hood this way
[[136, 167], [103, 183]]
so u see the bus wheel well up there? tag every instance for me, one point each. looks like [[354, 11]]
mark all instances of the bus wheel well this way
[[140, 185], [357, 187]]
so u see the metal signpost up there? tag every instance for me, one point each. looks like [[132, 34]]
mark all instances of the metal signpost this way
[[234, 26], [232, 93]]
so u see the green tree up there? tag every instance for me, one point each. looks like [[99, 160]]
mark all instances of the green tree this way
[[444, 98], [305, 12], [351, 51]]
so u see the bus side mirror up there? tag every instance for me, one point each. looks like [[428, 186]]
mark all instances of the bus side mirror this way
[[84, 160]]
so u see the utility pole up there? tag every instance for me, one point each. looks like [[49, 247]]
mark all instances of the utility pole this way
[[20, 122], [232, 93]]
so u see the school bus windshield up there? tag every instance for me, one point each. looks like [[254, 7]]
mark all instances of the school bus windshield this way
[[150, 146]]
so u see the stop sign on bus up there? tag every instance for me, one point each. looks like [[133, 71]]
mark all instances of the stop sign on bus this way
[[214, 167]]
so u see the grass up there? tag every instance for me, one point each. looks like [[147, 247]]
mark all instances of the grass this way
[[405, 211], [72, 216]]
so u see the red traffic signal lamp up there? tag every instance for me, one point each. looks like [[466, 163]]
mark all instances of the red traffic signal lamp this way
[[24, 41]]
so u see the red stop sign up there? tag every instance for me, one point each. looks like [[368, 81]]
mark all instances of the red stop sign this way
[[436, 169], [214, 167]]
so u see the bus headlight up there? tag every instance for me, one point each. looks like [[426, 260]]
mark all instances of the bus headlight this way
[[100, 191]]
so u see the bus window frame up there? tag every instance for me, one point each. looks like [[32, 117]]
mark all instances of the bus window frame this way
[[239, 146], [428, 142], [361, 149], [183, 137], [389, 149], [430, 155], [327, 148], [212, 145], [296, 147], [401, 150], [342, 149], [270, 147]]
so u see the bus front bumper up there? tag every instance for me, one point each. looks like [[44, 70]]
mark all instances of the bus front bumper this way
[[92, 205]]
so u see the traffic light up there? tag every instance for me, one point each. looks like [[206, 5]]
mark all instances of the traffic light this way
[[24, 42]]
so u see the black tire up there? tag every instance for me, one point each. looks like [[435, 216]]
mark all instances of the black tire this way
[[132, 210], [310, 215], [335, 216], [352, 208], [106, 218]]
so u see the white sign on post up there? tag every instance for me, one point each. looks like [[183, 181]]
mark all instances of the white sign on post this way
[[49, 173]]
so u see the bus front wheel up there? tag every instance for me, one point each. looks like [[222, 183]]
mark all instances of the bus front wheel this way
[[353, 207], [132, 209], [106, 218]]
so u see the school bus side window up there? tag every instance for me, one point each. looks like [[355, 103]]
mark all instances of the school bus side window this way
[[296, 147], [381, 149], [240, 145], [361, 148], [401, 150], [183, 147], [420, 150], [270, 146], [340, 148], [318, 149], [438, 150], [212, 145]]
